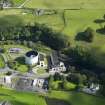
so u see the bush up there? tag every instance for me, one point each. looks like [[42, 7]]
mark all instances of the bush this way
[[69, 86], [87, 35]]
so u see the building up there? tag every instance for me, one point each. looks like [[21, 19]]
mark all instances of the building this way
[[55, 65], [31, 57], [38, 82], [42, 61], [7, 81], [92, 89], [15, 50], [95, 87]]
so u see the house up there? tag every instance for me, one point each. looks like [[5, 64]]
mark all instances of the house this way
[[38, 82], [42, 62], [5, 80], [95, 87], [8, 79], [92, 89], [55, 65]]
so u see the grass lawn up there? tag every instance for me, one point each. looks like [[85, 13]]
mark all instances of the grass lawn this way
[[2, 63], [23, 68], [41, 71], [21, 98], [69, 86], [75, 98], [66, 4]]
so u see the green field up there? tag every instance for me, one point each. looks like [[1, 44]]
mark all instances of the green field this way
[[66, 4], [24, 98], [76, 20], [75, 98], [21, 98]]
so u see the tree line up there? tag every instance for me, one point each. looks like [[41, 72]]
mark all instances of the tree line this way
[[38, 32]]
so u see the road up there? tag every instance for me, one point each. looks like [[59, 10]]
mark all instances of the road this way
[[23, 4], [18, 74]]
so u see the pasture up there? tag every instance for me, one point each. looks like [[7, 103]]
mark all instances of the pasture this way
[[66, 4], [21, 98], [72, 98]]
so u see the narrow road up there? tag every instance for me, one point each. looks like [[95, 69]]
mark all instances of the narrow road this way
[[23, 4]]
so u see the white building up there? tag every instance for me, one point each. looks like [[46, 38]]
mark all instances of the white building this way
[[42, 61], [8, 79], [31, 57], [38, 82], [55, 65]]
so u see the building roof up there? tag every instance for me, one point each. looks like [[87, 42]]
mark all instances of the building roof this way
[[31, 53], [54, 58], [41, 57]]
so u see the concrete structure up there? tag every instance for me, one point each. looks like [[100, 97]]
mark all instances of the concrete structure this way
[[55, 65], [38, 83], [31, 57], [8, 79], [42, 61]]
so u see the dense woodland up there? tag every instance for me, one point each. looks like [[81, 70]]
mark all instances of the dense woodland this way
[[35, 33]]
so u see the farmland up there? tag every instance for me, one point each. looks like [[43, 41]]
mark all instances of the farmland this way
[[66, 4], [72, 98]]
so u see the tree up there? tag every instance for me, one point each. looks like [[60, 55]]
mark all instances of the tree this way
[[102, 82], [51, 79], [88, 34], [104, 16]]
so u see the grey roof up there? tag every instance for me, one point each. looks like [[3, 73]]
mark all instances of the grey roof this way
[[41, 57], [53, 60], [31, 53]]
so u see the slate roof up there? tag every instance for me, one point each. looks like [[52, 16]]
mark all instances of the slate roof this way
[[53, 60], [41, 57]]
